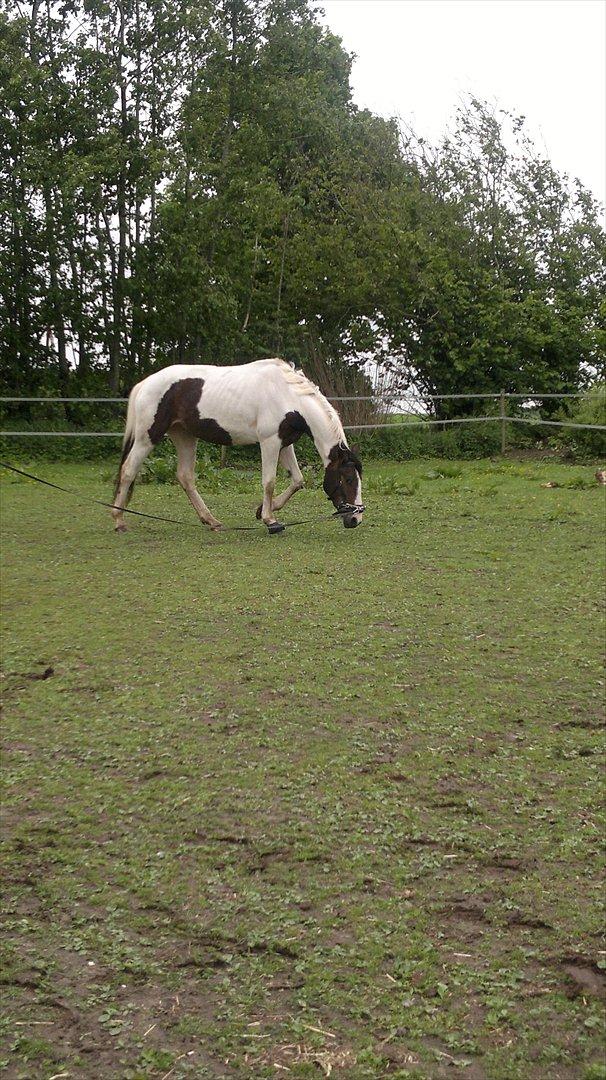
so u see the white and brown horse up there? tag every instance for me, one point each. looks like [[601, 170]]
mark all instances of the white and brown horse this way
[[265, 402]]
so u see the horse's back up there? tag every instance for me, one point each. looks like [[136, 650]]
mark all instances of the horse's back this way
[[257, 371], [232, 397]]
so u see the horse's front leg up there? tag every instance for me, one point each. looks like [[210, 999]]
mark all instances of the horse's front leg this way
[[289, 462], [270, 450]]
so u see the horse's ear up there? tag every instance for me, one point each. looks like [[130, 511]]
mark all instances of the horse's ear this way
[[356, 459], [336, 454]]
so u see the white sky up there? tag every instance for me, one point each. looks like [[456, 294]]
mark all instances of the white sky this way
[[545, 59]]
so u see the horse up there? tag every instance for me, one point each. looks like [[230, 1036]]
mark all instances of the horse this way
[[266, 402]]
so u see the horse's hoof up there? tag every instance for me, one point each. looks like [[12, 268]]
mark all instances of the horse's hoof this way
[[275, 527], [120, 528], [259, 511], [217, 528]]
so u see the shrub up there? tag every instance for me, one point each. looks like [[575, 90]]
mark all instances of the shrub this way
[[590, 409], [404, 441], [388, 485]]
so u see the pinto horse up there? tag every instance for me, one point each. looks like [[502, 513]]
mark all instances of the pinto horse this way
[[266, 402]]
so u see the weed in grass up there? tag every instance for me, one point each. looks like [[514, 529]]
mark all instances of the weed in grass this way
[[389, 485], [596, 1071], [576, 483], [445, 471]]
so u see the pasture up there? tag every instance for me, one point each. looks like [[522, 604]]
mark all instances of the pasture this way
[[319, 804]]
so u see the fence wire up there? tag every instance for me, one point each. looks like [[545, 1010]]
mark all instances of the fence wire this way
[[396, 396], [392, 402]]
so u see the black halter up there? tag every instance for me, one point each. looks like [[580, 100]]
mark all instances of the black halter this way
[[349, 508]]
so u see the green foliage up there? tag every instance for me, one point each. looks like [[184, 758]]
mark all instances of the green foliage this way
[[590, 409], [161, 468], [158, 470], [196, 183], [512, 271], [444, 472], [58, 449], [595, 1072], [403, 443], [578, 483], [390, 485]]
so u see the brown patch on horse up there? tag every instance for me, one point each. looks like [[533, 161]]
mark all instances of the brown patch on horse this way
[[292, 427], [179, 405], [210, 431], [340, 455], [126, 449], [342, 474]]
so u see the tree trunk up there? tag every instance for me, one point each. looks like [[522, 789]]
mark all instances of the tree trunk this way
[[231, 116], [281, 284], [120, 273], [55, 296]]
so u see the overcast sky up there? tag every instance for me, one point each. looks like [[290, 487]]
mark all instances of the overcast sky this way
[[542, 58]]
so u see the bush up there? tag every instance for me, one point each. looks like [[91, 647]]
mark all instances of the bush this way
[[590, 409], [388, 485], [405, 442], [72, 449], [59, 416]]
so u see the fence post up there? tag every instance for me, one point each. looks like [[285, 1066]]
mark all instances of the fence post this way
[[503, 415]]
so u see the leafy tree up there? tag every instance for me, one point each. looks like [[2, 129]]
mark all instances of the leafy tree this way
[[193, 182], [511, 266]]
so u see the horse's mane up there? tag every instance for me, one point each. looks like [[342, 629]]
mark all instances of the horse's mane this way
[[302, 385]]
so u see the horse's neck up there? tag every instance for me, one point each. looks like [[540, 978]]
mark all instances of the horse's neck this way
[[324, 432]]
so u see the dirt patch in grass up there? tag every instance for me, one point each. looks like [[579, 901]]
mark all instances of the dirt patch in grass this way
[[586, 977]]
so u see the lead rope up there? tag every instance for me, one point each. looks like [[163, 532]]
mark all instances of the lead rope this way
[[172, 521]]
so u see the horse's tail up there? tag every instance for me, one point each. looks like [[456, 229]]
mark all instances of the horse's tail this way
[[129, 434]]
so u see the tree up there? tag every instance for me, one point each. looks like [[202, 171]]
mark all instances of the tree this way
[[511, 266], [193, 182]]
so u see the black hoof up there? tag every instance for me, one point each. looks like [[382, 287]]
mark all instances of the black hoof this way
[[276, 527]]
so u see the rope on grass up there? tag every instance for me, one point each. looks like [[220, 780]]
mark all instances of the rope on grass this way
[[156, 517]]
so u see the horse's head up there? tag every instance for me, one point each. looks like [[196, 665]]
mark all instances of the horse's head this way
[[343, 483]]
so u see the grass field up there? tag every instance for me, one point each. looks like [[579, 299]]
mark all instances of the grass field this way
[[319, 804]]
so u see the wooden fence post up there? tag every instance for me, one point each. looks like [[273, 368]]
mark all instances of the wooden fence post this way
[[503, 415]]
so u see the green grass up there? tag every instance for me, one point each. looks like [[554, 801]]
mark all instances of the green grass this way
[[326, 802]]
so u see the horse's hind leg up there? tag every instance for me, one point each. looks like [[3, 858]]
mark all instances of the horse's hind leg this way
[[128, 474], [185, 445]]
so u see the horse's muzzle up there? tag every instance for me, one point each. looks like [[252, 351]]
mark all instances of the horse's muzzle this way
[[351, 513]]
